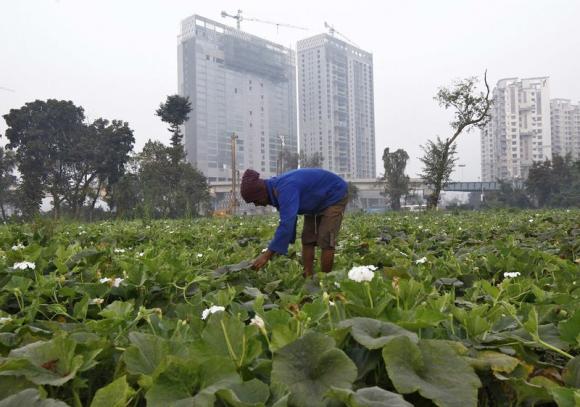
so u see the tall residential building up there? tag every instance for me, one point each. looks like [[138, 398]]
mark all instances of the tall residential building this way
[[565, 118], [237, 83], [519, 132], [336, 102]]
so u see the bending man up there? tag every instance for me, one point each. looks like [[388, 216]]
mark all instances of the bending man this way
[[319, 195]]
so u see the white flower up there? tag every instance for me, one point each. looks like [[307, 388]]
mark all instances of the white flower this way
[[362, 273], [199, 255], [531, 220], [422, 260], [513, 274], [141, 254], [117, 282], [119, 250], [5, 320], [337, 284], [19, 246], [211, 310], [331, 303], [104, 280], [24, 265], [96, 301], [258, 321]]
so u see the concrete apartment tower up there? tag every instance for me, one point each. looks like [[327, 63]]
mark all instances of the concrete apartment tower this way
[[237, 83], [336, 102], [519, 132], [565, 120]]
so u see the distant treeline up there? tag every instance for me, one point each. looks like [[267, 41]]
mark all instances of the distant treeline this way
[[52, 151]]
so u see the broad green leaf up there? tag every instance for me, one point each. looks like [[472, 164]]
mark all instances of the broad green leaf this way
[[565, 397], [52, 362], [571, 373], [10, 385], [433, 369], [496, 361], [368, 397], [309, 367], [374, 334], [187, 380], [226, 336], [146, 353], [115, 394], [253, 393], [118, 310], [30, 398], [570, 329]]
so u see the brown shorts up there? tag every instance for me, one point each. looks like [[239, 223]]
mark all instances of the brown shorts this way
[[322, 229]]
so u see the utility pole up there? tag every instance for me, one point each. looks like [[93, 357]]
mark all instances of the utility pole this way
[[234, 202]]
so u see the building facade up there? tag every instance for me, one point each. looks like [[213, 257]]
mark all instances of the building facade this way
[[336, 102], [565, 120], [519, 131], [237, 84]]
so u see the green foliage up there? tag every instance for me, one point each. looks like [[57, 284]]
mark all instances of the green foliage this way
[[7, 181], [438, 161], [555, 183], [397, 183], [309, 367], [470, 110], [462, 309]]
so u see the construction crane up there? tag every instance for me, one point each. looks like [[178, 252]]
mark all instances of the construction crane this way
[[332, 31], [239, 18]]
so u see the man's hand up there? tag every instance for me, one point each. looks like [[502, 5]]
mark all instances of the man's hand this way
[[262, 259]]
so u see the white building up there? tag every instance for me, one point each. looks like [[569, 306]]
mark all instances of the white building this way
[[519, 132], [237, 83], [336, 102], [565, 118]]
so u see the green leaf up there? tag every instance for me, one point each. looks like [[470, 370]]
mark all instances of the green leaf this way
[[433, 369], [253, 393], [566, 397], [571, 373], [10, 385], [52, 362], [115, 394], [495, 361], [309, 366], [374, 334], [368, 397], [146, 353], [30, 398], [570, 329], [118, 310]]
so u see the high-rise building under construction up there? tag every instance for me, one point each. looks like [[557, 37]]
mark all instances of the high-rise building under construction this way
[[336, 102], [237, 84]]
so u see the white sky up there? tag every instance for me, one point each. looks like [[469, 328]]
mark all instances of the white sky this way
[[118, 58]]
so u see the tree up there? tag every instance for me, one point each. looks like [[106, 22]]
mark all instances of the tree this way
[[555, 183], [7, 180], [45, 135], [438, 160], [313, 161], [175, 111], [287, 160], [470, 110], [397, 183]]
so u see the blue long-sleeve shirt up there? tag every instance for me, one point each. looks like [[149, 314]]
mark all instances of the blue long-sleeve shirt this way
[[298, 192]]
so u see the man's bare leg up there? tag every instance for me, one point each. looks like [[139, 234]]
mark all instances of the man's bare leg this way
[[308, 258], [327, 260]]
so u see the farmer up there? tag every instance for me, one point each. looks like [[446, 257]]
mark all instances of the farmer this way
[[319, 195]]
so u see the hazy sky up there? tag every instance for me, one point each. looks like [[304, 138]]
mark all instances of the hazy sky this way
[[118, 59]]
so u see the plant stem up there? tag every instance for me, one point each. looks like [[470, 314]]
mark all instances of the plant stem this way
[[368, 287], [228, 344]]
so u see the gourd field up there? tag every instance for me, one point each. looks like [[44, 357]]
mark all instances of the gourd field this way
[[440, 309]]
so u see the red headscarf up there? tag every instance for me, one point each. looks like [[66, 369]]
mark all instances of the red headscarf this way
[[253, 188]]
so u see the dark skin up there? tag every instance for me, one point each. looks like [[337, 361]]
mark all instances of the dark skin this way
[[308, 251]]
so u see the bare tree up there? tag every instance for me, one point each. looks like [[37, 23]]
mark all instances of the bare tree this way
[[471, 109], [396, 182]]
